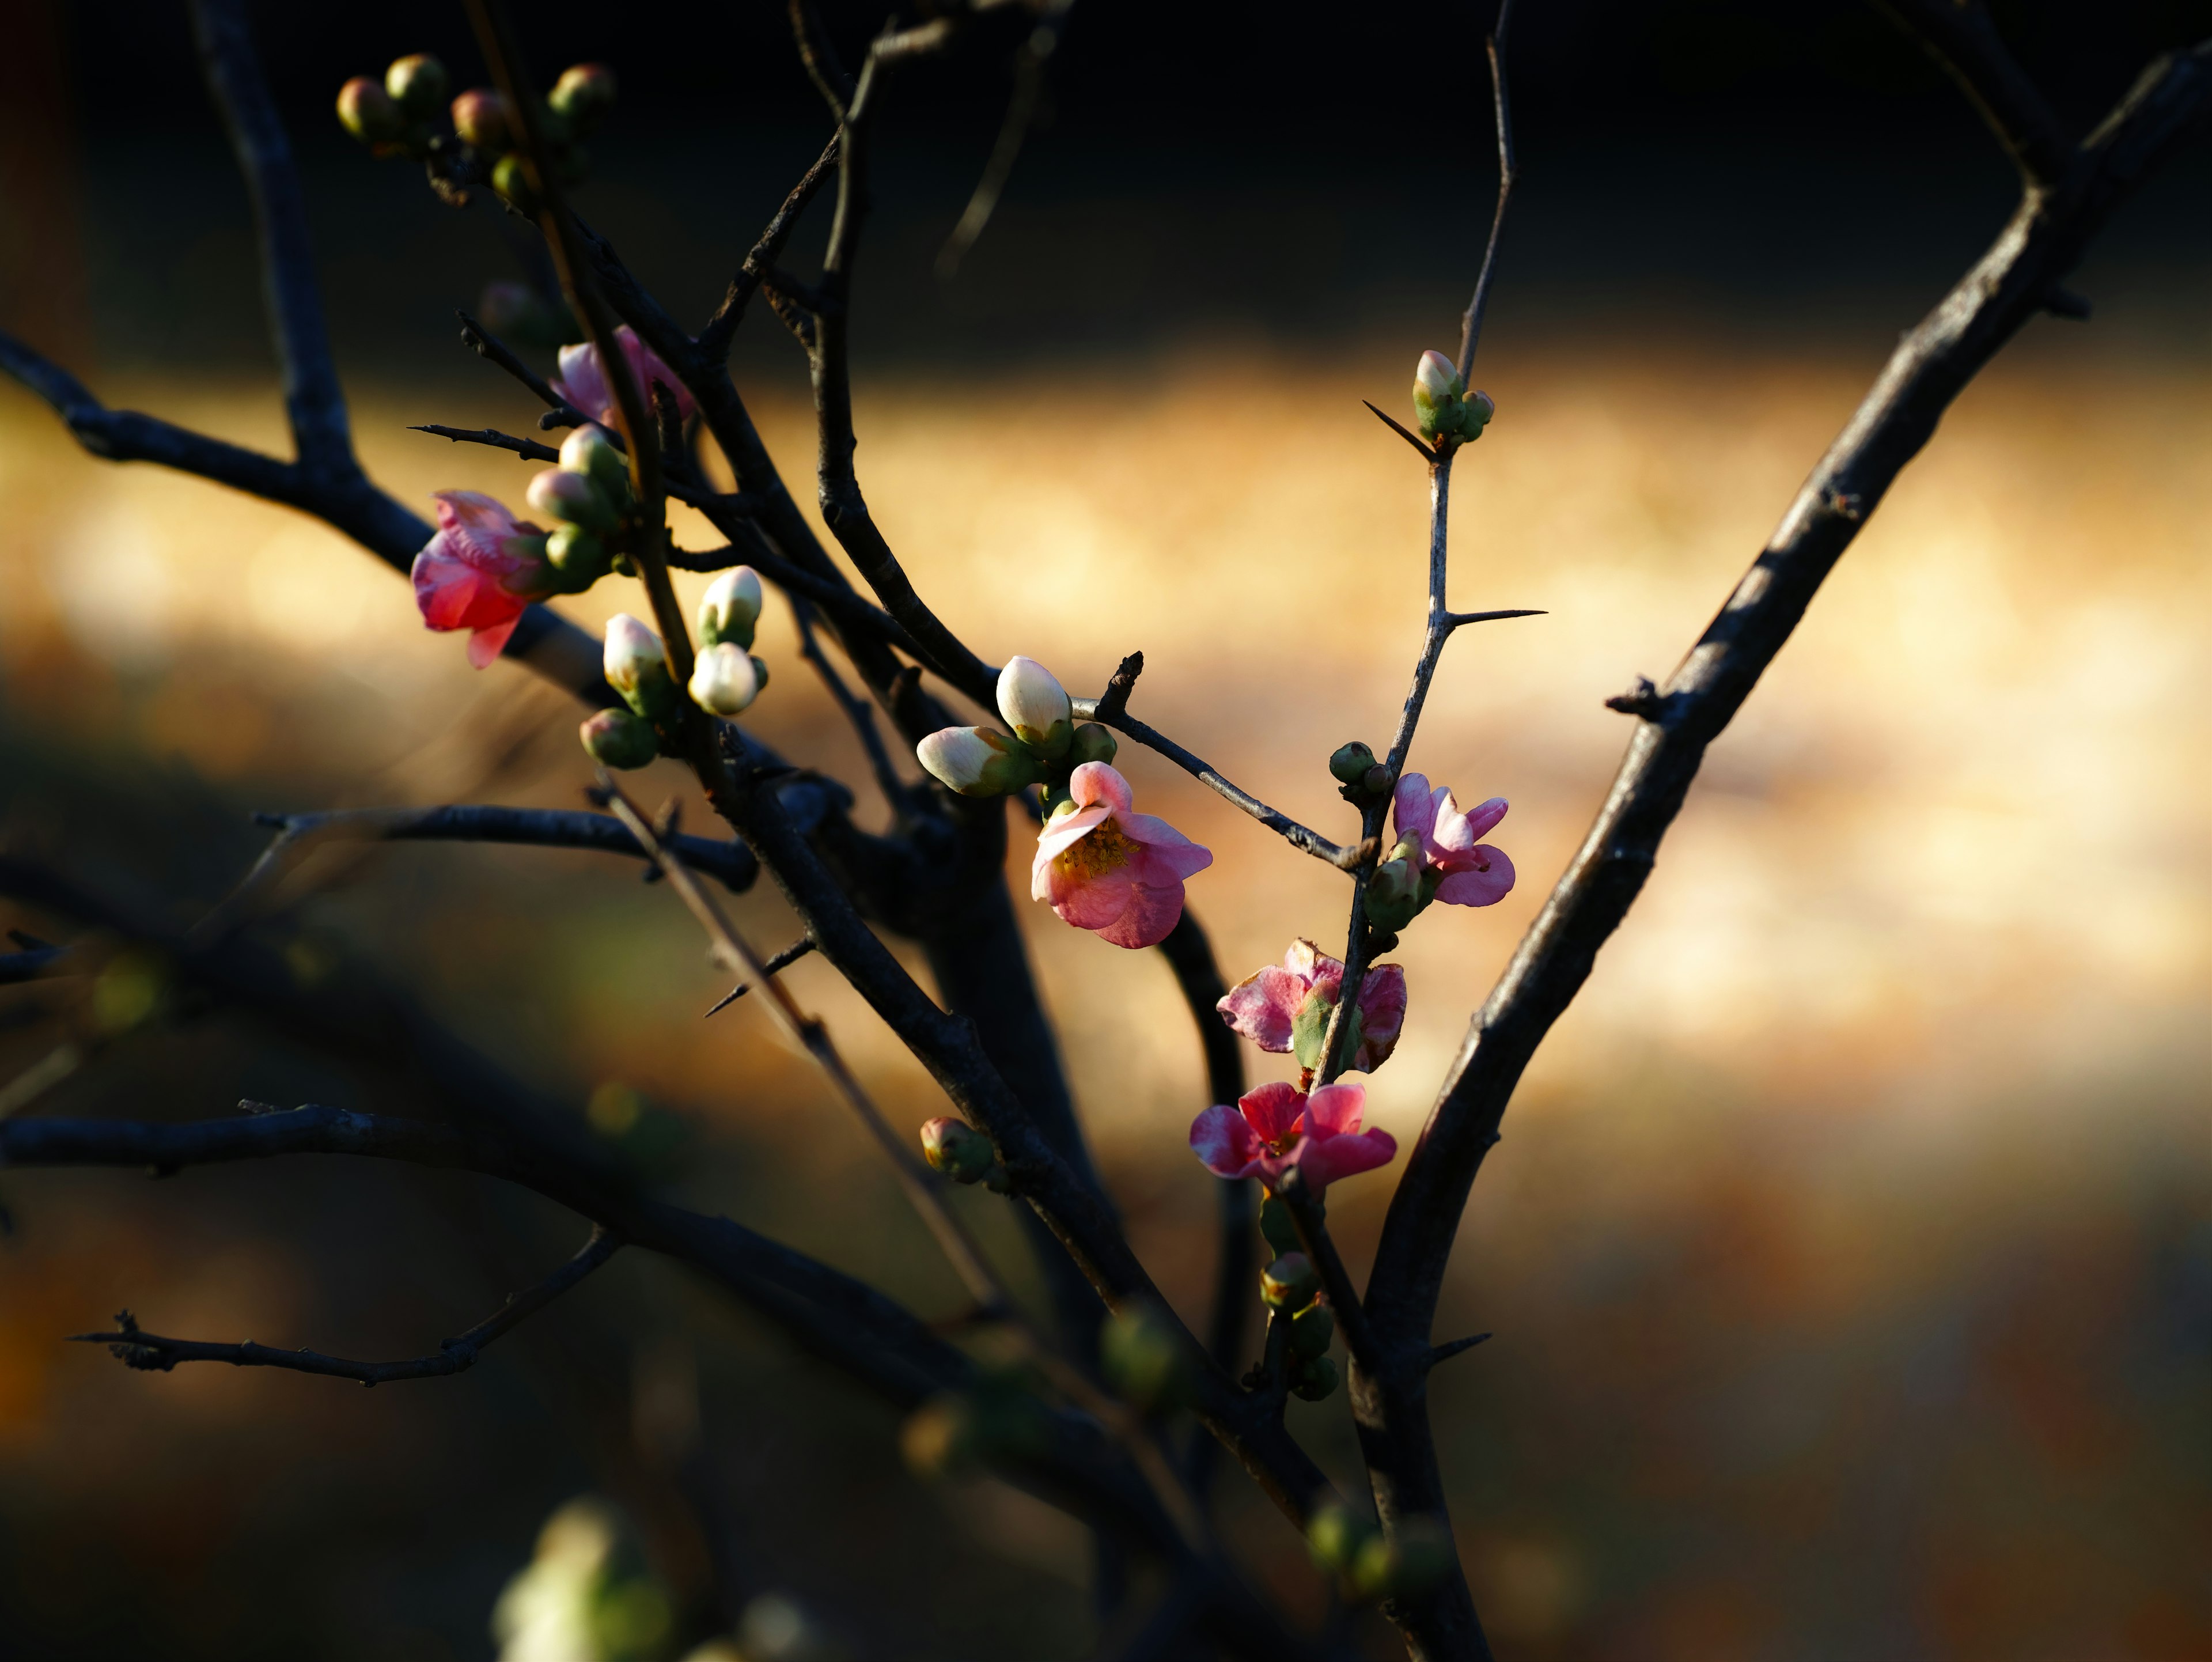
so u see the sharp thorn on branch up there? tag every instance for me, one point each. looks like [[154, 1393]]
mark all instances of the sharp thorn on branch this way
[[1427, 455]]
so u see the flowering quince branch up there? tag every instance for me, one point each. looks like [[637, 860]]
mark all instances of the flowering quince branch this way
[[145, 1351]]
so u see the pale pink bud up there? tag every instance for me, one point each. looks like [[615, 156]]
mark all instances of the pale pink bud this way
[[726, 679], [1037, 707]]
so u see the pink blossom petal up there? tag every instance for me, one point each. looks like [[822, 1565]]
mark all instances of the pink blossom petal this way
[[1164, 847], [1221, 1139], [486, 644], [1322, 1161], [1412, 808], [1094, 901], [1152, 913], [1382, 1016], [1315, 966], [580, 381], [1477, 887], [1099, 782], [1063, 833], [1334, 1111], [1262, 1008], [1272, 1110]]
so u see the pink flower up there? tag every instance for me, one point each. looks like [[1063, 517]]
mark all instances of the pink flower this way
[[582, 379], [1277, 1127], [1266, 1008], [1466, 873], [1111, 871], [479, 572]]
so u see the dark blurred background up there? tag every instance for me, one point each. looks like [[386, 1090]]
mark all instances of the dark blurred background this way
[[1851, 1252]]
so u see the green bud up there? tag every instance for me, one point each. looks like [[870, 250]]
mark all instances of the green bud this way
[[620, 739], [583, 95], [578, 555], [1276, 1225], [367, 112], [510, 177], [958, 1150], [760, 671], [418, 85], [1094, 742], [1349, 764], [480, 117], [1417, 1555], [1315, 1379], [1146, 1358], [1291, 1283], [1393, 895], [1334, 1535], [1311, 1330]]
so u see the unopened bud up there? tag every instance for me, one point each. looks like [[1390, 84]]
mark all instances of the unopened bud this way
[[1393, 895], [1094, 742], [976, 761], [1418, 1555], [726, 679], [576, 497], [578, 555], [1275, 1225], [417, 83], [510, 177], [1291, 1283], [590, 452], [1315, 1379], [480, 117], [637, 667], [1037, 707], [1349, 764], [368, 114], [958, 1150], [1144, 1357], [583, 95], [731, 607], [1436, 389], [1479, 407], [620, 739], [1311, 1330], [1335, 1536]]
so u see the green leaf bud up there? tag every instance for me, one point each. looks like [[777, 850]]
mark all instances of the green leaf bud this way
[[1094, 742], [1146, 1358], [1291, 1283], [958, 1150], [620, 739], [1348, 764], [1275, 1225], [1315, 1379]]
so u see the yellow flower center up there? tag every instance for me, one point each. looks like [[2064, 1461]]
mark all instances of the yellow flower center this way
[[1102, 850]]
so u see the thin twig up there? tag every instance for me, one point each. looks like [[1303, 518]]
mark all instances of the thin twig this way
[[150, 1352], [490, 347], [776, 965], [760, 259], [1022, 111], [1470, 330], [859, 714]]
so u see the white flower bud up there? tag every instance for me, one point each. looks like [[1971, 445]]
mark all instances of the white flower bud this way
[[731, 608], [637, 667], [1037, 707], [1438, 376], [726, 681], [976, 761], [576, 497], [589, 451]]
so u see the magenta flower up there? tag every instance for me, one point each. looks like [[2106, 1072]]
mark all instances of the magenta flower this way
[[1466, 873], [1104, 869], [582, 379], [480, 572], [1277, 1127], [1286, 1006]]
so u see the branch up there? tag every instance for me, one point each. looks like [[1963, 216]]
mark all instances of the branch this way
[[494, 351], [1021, 110], [1932, 365], [714, 338], [775, 965], [820, 57], [1111, 707], [1470, 328], [314, 403], [859, 714], [147, 1351], [1965, 45]]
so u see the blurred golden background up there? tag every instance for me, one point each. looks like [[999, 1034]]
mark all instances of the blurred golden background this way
[[1849, 1253]]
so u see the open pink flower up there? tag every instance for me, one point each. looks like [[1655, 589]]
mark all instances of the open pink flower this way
[[1266, 1008], [1469, 874], [479, 572], [582, 379], [1110, 871], [1277, 1127]]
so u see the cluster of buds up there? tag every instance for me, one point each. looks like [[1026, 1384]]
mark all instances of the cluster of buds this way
[[963, 1153], [1360, 778], [1291, 1286], [636, 666], [1412, 1559], [396, 119], [1446, 411], [729, 677], [589, 495], [1046, 747]]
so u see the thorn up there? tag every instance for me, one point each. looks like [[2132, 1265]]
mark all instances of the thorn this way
[[2065, 303], [29, 943], [1642, 700], [1386, 421], [1444, 1353]]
